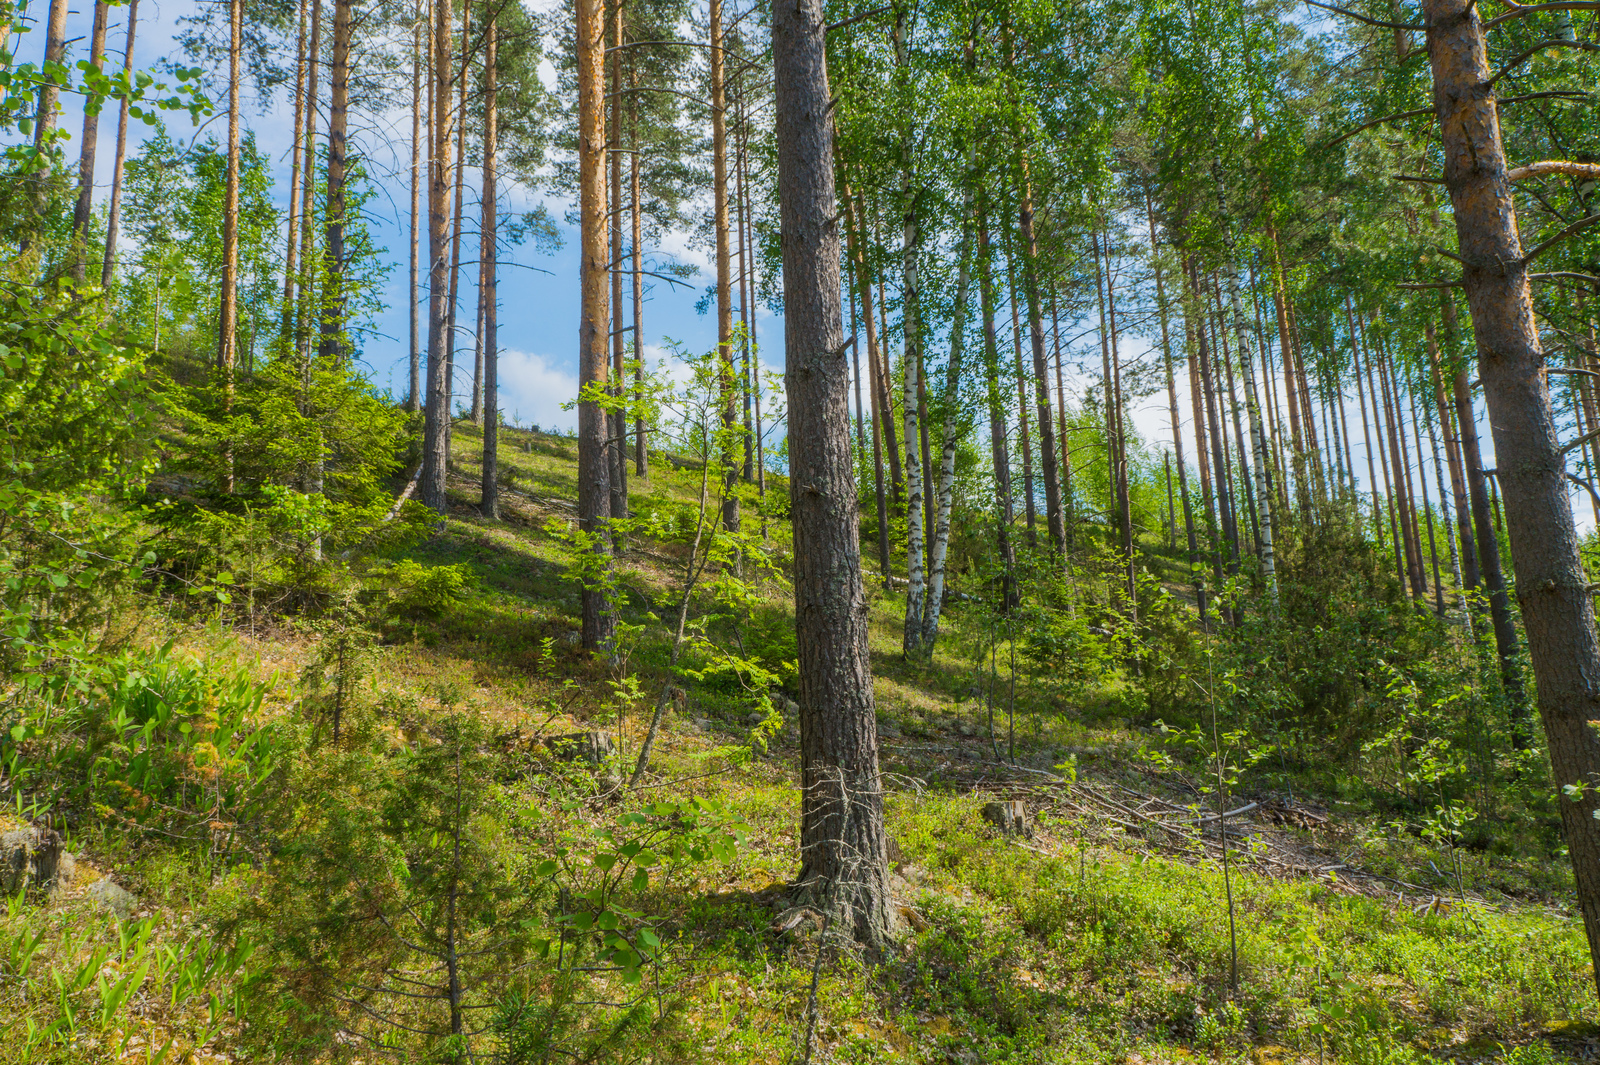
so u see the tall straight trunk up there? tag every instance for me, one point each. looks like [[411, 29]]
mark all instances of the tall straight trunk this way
[[1439, 429], [295, 150], [754, 349], [334, 344], [227, 317], [114, 217], [1119, 408], [1468, 548], [1402, 473], [855, 221], [1202, 458], [999, 447], [1303, 383], [1366, 433], [746, 289], [1277, 468], [617, 421], [911, 369], [1055, 520], [1258, 440], [1390, 491], [1344, 426], [1029, 501], [1068, 516], [44, 117], [719, 188], [414, 391], [1552, 590], [1427, 504], [843, 846], [1233, 408], [451, 334], [1290, 380], [641, 447], [897, 481], [939, 546], [594, 480], [1219, 455], [435, 436], [1483, 527], [83, 210], [855, 345], [308, 185], [1106, 391], [488, 279], [1172, 403], [1392, 385]]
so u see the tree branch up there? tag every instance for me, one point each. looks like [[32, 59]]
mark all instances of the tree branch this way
[[1556, 42], [1375, 122], [1519, 10], [1582, 440], [1555, 166], [1369, 21], [1543, 246]]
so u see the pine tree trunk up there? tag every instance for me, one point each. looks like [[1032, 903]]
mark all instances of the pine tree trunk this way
[[114, 217], [1233, 408], [999, 447], [1172, 403], [1028, 498], [746, 287], [295, 150], [488, 279], [617, 421], [1468, 548], [891, 437], [1069, 516], [308, 187], [1055, 521], [83, 210], [854, 231], [1219, 455], [451, 333], [1120, 450], [45, 117], [1202, 459], [1552, 590], [414, 389], [641, 445], [227, 324], [435, 439], [719, 186], [843, 846], [1401, 483], [1258, 439], [594, 482], [334, 344]]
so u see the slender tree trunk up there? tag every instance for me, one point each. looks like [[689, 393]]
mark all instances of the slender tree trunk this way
[[1470, 576], [750, 324], [436, 440], [1069, 516], [227, 324], [334, 344], [1219, 457], [1054, 518], [1366, 434], [308, 186], [488, 279], [451, 334], [1028, 498], [1233, 408], [641, 446], [1427, 504], [44, 118], [295, 151], [1552, 590], [1202, 459], [897, 481], [1385, 459], [1264, 492], [854, 231], [1402, 475], [83, 210], [719, 183], [999, 447], [594, 487], [1172, 403], [1118, 408], [745, 288], [414, 391], [617, 422], [114, 217], [843, 847]]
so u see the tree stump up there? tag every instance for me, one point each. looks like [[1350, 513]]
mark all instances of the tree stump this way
[[1010, 817], [32, 859]]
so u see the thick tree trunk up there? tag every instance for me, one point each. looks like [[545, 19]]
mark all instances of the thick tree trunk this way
[[114, 216], [594, 481], [334, 343], [488, 279], [719, 188], [1557, 609], [83, 210], [44, 118], [435, 437], [843, 847]]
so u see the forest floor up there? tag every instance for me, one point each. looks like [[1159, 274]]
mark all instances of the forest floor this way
[[1103, 934]]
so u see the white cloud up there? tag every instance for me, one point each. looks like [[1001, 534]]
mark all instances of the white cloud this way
[[532, 389]]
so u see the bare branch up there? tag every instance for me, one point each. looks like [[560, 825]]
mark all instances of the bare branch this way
[[1555, 166], [1543, 246], [1519, 10], [1369, 21], [1556, 42], [1375, 122]]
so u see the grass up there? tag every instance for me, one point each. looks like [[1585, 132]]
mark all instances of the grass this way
[[1074, 946]]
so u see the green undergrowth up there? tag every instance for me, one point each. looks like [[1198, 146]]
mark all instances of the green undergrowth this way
[[302, 810]]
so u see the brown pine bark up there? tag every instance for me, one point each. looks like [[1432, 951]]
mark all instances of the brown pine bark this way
[[295, 149], [1470, 577], [719, 189], [617, 421], [843, 847], [1552, 590], [641, 444], [1028, 500], [488, 278], [308, 162], [854, 220], [1055, 520], [114, 217], [45, 117], [460, 118], [334, 343], [1068, 516], [227, 331], [89, 140], [414, 391], [1402, 473], [435, 437], [746, 288], [594, 481], [1219, 456], [1202, 462]]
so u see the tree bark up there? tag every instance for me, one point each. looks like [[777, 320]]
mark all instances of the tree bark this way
[[719, 188], [1470, 575], [227, 333], [295, 150], [308, 164], [1028, 500], [488, 279], [594, 481], [641, 446], [334, 343], [451, 334], [999, 447], [1172, 403], [435, 437], [83, 210], [617, 422], [854, 233], [1552, 590], [414, 391], [843, 846], [114, 216], [1258, 438], [1054, 520]]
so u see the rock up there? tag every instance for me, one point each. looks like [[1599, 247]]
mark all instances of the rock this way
[[755, 718], [797, 920], [591, 747], [1009, 817], [966, 730], [785, 705], [108, 896], [570, 639], [32, 858]]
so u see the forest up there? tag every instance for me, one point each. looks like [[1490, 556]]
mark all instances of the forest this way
[[1067, 531]]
